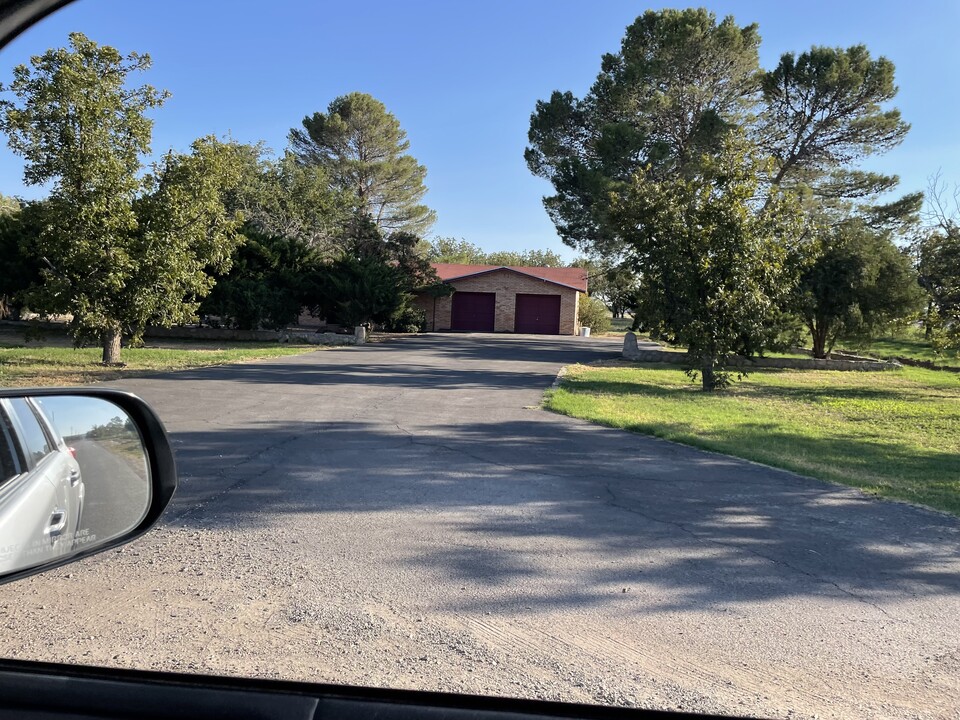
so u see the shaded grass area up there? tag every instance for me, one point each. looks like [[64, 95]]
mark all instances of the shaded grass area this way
[[618, 327], [895, 434], [45, 366], [622, 324], [909, 344]]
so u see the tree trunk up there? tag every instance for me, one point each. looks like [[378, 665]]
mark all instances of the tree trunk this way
[[927, 324], [111, 346], [830, 343], [707, 374], [819, 337]]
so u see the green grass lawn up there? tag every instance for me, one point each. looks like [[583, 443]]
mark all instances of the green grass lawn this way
[[910, 344], [892, 433], [618, 326], [34, 366]]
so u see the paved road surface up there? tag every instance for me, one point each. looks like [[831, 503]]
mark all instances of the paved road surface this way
[[403, 514], [116, 495]]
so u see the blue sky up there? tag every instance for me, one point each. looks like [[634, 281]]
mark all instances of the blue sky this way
[[463, 79], [75, 415]]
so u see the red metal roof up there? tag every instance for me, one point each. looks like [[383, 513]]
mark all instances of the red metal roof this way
[[571, 277]]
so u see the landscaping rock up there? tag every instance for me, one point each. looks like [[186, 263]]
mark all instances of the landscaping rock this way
[[319, 338]]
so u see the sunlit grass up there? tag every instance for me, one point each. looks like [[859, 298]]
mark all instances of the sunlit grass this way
[[894, 433], [44, 366]]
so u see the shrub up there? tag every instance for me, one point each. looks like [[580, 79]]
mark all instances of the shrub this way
[[594, 315], [266, 285], [407, 320]]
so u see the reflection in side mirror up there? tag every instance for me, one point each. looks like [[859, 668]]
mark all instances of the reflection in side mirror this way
[[77, 475]]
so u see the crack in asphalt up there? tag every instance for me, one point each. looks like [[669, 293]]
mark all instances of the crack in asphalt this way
[[485, 461], [222, 473], [194, 510], [616, 502]]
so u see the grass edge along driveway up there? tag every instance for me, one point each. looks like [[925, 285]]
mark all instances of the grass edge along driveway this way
[[895, 434]]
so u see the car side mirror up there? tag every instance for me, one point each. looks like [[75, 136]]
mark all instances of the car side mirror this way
[[81, 471]]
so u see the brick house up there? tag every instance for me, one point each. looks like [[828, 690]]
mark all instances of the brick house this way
[[494, 298]]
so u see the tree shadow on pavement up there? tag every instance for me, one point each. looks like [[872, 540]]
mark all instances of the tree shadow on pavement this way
[[481, 364], [569, 513]]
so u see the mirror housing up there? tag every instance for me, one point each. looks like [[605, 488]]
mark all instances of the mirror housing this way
[[18, 15], [156, 468]]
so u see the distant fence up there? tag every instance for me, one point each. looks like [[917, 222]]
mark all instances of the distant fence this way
[[632, 352]]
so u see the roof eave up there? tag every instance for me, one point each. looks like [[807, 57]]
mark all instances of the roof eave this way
[[518, 272]]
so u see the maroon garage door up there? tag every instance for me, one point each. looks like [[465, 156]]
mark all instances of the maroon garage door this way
[[473, 312], [538, 314]]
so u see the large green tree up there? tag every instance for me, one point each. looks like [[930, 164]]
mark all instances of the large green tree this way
[[8, 205], [937, 253], [825, 109], [122, 248], [363, 150], [715, 266], [373, 280], [354, 290], [680, 87], [186, 232], [451, 250], [267, 283], [859, 285], [20, 263], [680, 81], [938, 266], [525, 258], [823, 112], [284, 198], [293, 221]]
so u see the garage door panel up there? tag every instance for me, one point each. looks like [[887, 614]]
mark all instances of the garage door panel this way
[[473, 312], [537, 314]]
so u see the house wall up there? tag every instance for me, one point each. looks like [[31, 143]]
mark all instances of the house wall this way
[[506, 285], [425, 303]]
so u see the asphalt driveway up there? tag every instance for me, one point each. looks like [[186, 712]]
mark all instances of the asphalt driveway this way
[[404, 514]]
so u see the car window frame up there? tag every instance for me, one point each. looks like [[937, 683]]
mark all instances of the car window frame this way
[[30, 461], [9, 438], [53, 435]]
